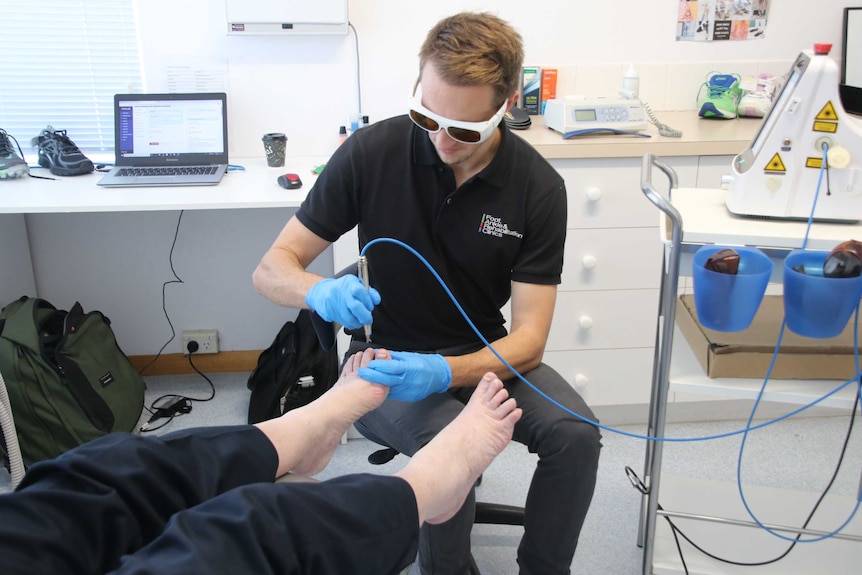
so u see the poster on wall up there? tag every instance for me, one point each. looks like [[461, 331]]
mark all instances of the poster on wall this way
[[714, 20]]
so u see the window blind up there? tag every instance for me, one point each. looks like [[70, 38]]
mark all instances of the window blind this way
[[61, 62]]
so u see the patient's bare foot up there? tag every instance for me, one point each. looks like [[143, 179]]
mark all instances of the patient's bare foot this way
[[306, 437], [443, 472]]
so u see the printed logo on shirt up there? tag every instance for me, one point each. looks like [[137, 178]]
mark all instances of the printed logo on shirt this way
[[494, 226]]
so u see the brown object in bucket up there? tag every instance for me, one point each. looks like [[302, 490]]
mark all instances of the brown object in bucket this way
[[844, 261], [725, 261]]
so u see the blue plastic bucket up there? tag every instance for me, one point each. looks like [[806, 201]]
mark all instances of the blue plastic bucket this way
[[728, 302], [817, 306]]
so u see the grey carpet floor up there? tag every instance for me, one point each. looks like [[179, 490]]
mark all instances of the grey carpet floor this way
[[797, 454]]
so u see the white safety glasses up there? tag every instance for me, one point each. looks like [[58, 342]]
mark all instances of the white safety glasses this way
[[464, 132]]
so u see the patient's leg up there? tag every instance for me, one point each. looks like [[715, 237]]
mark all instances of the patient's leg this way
[[305, 438], [125, 488], [443, 472], [358, 524]]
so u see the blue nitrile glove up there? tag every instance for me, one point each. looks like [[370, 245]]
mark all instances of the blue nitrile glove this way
[[410, 376], [344, 300]]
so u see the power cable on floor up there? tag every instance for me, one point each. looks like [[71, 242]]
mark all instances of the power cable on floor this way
[[171, 405]]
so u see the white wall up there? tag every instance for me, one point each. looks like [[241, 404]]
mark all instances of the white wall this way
[[305, 86]]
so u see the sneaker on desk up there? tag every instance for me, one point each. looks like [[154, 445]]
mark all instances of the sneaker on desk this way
[[60, 154], [12, 164], [758, 95], [718, 97]]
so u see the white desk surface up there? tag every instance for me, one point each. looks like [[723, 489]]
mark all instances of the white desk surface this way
[[256, 187], [706, 220]]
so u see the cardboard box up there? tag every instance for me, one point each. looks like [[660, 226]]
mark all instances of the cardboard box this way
[[531, 94], [747, 353]]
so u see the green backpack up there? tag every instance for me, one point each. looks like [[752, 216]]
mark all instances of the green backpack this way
[[68, 381]]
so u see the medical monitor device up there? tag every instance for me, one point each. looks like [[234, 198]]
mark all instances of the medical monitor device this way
[[777, 175]]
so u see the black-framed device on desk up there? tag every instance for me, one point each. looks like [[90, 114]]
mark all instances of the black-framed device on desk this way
[[851, 71]]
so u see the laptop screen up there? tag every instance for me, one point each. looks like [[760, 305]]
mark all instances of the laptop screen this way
[[170, 129]]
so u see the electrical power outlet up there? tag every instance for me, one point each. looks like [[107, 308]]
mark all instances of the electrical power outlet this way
[[207, 340]]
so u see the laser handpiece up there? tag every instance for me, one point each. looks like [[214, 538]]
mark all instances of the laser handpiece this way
[[362, 264]]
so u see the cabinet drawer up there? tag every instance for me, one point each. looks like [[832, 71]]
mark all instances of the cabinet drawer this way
[[606, 376], [606, 193], [621, 258], [604, 320]]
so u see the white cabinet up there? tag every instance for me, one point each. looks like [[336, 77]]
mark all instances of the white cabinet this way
[[603, 332]]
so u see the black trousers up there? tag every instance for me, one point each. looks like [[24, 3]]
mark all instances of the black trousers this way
[[200, 501], [562, 486]]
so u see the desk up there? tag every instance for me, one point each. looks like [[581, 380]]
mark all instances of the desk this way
[[68, 239], [255, 187]]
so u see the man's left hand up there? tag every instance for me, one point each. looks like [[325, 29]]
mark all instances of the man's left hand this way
[[410, 376]]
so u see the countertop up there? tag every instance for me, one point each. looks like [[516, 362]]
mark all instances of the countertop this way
[[256, 186], [700, 137]]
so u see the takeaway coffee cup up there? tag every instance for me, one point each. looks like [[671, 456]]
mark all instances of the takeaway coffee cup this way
[[274, 145]]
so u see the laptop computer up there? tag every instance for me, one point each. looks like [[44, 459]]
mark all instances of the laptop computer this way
[[169, 140]]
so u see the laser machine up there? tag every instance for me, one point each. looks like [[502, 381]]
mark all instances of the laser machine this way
[[777, 175]]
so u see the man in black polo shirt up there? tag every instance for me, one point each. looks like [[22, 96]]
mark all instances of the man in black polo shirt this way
[[488, 213]]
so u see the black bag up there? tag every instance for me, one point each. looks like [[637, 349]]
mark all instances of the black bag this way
[[68, 381], [294, 371]]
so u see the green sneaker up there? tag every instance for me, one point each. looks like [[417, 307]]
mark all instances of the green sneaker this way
[[721, 97], [11, 164]]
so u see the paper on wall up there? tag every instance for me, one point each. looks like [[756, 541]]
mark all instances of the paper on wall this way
[[714, 20]]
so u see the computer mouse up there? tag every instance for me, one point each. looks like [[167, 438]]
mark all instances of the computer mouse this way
[[290, 181]]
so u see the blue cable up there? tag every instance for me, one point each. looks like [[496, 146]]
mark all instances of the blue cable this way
[[856, 378]]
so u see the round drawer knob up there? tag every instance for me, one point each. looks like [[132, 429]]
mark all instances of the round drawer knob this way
[[581, 381], [594, 194], [585, 321], [589, 262]]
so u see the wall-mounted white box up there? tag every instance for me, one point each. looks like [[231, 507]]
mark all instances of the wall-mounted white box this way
[[286, 17]]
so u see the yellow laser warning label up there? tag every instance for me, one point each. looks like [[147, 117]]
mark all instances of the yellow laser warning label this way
[[775, 165], [827, 113], [814, 163], [822, 126]]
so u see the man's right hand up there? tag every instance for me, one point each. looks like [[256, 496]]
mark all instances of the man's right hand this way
[[343, 300]]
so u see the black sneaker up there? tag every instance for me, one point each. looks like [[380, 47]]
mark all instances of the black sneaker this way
[[11, 164], [60, 154]]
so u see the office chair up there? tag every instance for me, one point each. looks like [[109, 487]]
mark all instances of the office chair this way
[[486, 513]]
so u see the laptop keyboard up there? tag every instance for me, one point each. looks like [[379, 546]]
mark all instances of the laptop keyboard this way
[[169, 171]]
